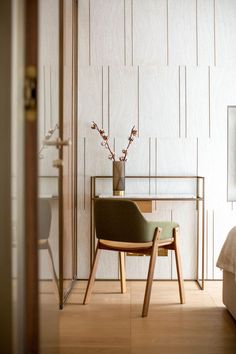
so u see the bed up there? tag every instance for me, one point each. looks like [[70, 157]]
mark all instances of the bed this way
[[227, 262]]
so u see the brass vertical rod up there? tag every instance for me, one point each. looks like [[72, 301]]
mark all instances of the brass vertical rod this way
[[198, 221], [203, 231], [60, 183], [91, 220]]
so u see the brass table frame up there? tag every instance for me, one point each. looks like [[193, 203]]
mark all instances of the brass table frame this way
[[199, 198]]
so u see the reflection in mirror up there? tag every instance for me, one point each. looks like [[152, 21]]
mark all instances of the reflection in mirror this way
[[48, 128], [17, 176]]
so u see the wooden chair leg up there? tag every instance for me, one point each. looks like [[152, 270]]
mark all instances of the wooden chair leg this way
[[122, 272], [92, 276], [178, 266], [152, 263], [53, 270]]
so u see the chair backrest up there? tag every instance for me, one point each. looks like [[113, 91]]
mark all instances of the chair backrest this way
[[44, 218], [120, 220]]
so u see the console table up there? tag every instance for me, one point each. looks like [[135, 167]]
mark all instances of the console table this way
[[145, 202]]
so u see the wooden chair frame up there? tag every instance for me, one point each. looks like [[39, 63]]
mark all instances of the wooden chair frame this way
[[148, 248]]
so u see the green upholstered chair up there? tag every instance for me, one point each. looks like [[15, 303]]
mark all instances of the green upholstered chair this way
[[120, 226]]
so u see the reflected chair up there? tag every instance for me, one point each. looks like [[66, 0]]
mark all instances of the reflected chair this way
[[44, 222], [120, 226]]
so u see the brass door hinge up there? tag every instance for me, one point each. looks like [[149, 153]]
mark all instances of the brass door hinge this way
[[30, 93]]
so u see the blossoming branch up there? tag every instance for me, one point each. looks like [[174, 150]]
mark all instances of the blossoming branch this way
[[105, 142]]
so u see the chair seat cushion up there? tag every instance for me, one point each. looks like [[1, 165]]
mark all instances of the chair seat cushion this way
[[167, 228]]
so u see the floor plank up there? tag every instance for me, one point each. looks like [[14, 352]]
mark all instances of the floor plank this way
[[112, 322]]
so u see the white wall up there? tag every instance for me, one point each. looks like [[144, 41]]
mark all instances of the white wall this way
[[167, 66]]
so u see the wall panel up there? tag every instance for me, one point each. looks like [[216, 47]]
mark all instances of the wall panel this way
[[150, 32], [101, 164], [159, 101], [128, 32], [212, 163], [177, 157], [182, 101], [123, 100], [210, 262], [84, 33], [205, 32], [185, 214], [108, 266], [107, 32], [167, 66], [225, 32], [182, 32], [91, 99], [231, 153], [223, 88], [83, 251], [197, 102]]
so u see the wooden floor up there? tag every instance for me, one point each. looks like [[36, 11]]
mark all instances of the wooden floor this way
[[112, 322]]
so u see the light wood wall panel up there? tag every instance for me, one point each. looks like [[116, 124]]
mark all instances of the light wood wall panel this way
[[107, 32], [108, 266], [91, 87], [106, 99], [225, 32], [136, 267], [97, 162], [184, 213], [231, 153], [197, 102], [212, 163], [159, 101], [182, 101], [48, 34], [177, 157], [182, 32], [84, 47], [179, 105], [210, 262], [223, 88], [83, 251], [123, 100], [81, 177], [128, 32], [205, 32], [138, 155], [150, 32]]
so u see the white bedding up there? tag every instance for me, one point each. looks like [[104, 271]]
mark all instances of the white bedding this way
[[227, 257]]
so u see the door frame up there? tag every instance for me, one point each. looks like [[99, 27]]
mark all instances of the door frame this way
[[6, 309], [31, 179]]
